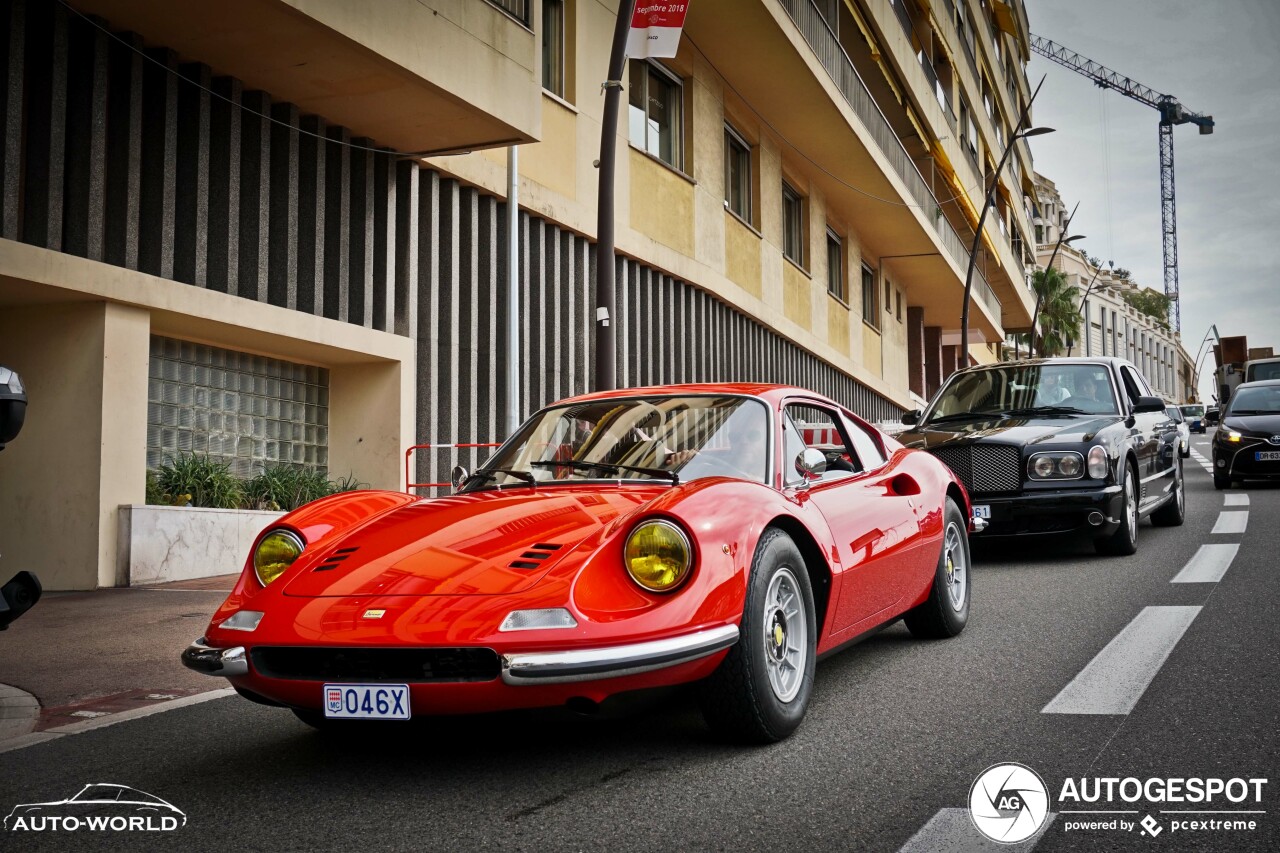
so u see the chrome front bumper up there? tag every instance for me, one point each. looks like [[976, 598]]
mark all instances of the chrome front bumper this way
[[593, 664], [524, 668], [211, 661]]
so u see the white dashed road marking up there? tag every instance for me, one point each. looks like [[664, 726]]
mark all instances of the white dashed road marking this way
[[1116, 678], [1234, 521], [1235, 499], [952, 831], [1208, 565]]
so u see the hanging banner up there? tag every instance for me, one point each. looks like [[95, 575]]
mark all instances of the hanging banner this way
[[655, 29]]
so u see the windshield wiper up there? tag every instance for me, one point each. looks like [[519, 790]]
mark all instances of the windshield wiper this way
[[492, 473], [1044, 410], [963, 416], [613, 466]]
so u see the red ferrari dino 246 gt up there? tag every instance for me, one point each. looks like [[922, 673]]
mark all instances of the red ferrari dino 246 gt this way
[[719, 534]]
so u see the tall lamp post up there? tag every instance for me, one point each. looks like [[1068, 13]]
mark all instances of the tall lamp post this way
[[1084, 300], [987, 201], [1062, 238]]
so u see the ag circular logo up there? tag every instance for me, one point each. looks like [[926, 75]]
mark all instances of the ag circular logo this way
[[1008, 803]]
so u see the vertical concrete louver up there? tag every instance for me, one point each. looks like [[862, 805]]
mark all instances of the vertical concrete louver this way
[[111, 149]]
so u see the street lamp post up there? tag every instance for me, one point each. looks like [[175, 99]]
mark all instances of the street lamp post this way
[[1084, 300], [1062, 238], [987, 201]]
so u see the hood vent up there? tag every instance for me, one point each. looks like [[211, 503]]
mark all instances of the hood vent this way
[[535, 556], [335, 559]]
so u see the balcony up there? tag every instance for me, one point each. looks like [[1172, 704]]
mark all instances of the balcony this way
[[904, 17], [938, 89], [825, 45]]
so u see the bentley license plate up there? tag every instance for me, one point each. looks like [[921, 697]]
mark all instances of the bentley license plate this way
[[367, 701], [981, 511], [1267, 456]]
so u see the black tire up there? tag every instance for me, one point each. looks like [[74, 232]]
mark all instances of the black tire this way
[[1174, 511], [946, 611], [1221, 481], [739, 700], [1124, 541]]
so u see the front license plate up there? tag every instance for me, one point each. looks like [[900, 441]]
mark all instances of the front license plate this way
[[367, 701], [981, 511], [1267, 456]]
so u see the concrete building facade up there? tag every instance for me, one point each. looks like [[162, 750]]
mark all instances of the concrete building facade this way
[[1111, 325], [274, 231]]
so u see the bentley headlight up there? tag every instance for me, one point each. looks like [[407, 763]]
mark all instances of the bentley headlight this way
[[275, 553], [1098, 466], [1056, 465], [658, 556]]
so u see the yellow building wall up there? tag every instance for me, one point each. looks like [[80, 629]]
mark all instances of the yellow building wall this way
[[661, 203], [838, 326], [742, 255], [797, 304]]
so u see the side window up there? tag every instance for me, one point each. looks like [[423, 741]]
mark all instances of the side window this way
[[822, 430], [867, 452], [792, 446], [1131, 386]]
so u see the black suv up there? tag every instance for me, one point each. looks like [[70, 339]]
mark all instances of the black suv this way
[[1057, 445]]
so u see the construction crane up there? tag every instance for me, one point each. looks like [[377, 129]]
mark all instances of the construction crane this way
[[1171, 113]]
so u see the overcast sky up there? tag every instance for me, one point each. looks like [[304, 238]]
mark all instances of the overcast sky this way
[[1218, 58]]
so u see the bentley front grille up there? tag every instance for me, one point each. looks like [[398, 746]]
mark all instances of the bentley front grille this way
[[984, 468]]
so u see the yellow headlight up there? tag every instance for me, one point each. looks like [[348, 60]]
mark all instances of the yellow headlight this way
[[1233, 436], [658, 556], [275, 553]]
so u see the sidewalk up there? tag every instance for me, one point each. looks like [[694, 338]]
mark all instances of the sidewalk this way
[[85, 655]]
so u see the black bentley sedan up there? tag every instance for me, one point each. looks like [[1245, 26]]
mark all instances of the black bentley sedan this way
[[1247, 443], [1057, 445]]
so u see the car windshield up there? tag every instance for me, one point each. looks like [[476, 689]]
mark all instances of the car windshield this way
[[1023, 389], [1264, 400], [662, 438], [1193, 411], [1175, 413]]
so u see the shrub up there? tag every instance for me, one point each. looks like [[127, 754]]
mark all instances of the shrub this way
[[206, 482], [285, 487]]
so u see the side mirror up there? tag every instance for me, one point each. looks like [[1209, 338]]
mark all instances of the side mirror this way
[[811, 463], [1211, 417], [13, 406], [1148, 404], [912, 417], [17, 597], [459, 477]]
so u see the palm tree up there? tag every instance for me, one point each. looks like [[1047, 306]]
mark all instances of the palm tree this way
[[1059, 316]]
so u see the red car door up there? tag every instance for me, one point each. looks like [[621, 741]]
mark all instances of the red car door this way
[[871, 513]]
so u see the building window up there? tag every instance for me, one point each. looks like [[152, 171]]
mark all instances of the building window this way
[[897, 302], [248, 411], [518, 9], [869, 313], [835, 267], [888, 297], [553, 47], [737, 174], [968, 130], [656, 122], [792, 224]]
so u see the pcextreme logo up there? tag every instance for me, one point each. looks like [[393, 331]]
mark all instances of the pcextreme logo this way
[[1010, 802], [100, 807]]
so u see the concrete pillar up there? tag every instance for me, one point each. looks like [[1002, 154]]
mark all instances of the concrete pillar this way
[[933, 370], [360, 268], [86, 142], [191, 226], [46, 125], [282, 248], [915, 350], [124, 151], [83, 450], [160, 163], [384, 241], [14, 36], [950, 360], [224, 186], [408, 177], [313, 152], [371, 421], [255, 195], [337, 224]]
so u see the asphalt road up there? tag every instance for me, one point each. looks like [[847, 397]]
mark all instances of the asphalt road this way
[[897, 733]]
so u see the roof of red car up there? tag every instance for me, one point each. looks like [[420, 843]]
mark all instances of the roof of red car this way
[[767, 391]]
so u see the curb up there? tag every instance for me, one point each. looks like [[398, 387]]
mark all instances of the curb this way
[[19, 711]]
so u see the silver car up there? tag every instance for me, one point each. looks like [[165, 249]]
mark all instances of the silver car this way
[[1184, 431]]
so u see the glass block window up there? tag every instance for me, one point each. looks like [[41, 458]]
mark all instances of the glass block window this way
[[247, 410]]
